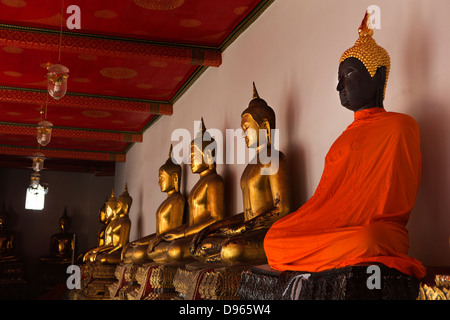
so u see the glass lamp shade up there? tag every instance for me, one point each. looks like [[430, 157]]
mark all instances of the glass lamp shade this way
[[35, 179], [44, 132], [38, 161], [57, 80]]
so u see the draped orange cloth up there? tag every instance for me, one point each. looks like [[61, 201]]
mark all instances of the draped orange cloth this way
[[359, 211]]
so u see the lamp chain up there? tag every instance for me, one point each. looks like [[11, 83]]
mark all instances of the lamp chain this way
[[60, 32]]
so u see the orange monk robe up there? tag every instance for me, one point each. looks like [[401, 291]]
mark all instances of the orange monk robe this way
[[359, 211]]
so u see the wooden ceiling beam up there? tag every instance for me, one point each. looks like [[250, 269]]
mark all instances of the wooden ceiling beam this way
[[44, 39], [64, 154], [73, 100], [30, 130]]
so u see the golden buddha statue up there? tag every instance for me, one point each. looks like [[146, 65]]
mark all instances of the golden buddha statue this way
[[117, 231], [6, 239], [239, 239], [206, 205], [62, 243], [104, 220], [102, 217], [168, 216]]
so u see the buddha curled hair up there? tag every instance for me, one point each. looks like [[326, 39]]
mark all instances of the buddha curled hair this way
[[260, 110], [170, 167], [204, 140], [125, 197], [112, 201]]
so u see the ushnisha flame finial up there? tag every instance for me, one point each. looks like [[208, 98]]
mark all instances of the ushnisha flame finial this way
[[255, 92]]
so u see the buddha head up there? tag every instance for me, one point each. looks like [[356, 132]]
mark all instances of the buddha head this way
[[124, 202], [102, 212], [111, 207], [258, 116], [203, 151], [64, 221], [363, 72], [169, 175]]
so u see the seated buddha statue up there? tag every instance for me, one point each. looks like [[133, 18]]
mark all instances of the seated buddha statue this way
[[103, 219], [7, 239], [239, 239], [62, 243], [359, 211], [205, 201], [117, 231], [169, 214]]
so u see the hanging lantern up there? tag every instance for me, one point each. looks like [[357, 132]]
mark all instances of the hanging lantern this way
[[35, 198], [57, 80], [38, 161], [44, 132]]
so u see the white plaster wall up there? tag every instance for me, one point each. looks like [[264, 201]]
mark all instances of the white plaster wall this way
[[292, 54]]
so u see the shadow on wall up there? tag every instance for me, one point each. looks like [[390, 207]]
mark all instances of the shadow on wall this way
[[231, 184], [430, 225], [294, 152]]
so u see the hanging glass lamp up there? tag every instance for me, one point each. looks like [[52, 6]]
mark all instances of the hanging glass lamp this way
[[38, 161], [57, 80], [44, 132]]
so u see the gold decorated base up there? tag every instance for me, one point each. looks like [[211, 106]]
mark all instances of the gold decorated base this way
[[95, 282], [153, 282], [126, 282], [203, 282], [439, 291], [187, 281], [222, 283]]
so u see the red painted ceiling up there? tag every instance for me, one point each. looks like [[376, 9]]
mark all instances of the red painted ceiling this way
[[129, 62]]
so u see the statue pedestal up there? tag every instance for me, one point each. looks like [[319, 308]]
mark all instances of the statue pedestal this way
[[12, 280], [126, 281], [349, 283], [187, 281], [95, 282], [155, 282], [208, 282]]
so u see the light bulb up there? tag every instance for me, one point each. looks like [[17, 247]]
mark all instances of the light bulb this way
[[44, 132], [57, 80], [35, 179], [57, 86]]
